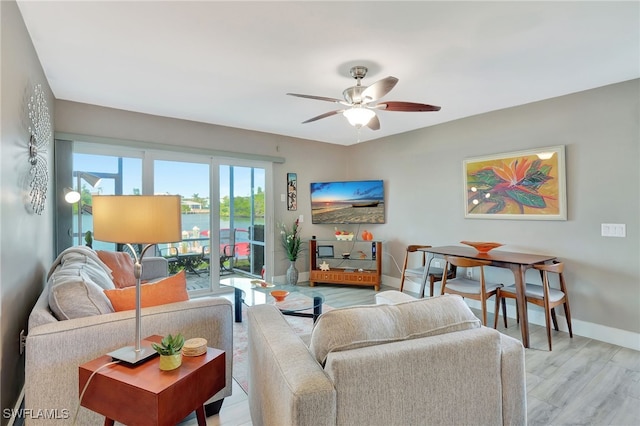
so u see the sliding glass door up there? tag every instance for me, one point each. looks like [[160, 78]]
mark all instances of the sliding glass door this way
[[242, 219], [189, 179], [225, 206], [105, 175]]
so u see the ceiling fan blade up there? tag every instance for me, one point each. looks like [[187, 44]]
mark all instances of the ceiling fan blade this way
[[374, 123], [406, 106], [325, 115], [318, 98], [378, 89]]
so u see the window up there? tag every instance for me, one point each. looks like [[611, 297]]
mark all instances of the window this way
[[223, 203]]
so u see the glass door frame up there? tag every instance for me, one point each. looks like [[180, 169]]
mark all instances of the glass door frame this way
[[268, 202], [102, 146]]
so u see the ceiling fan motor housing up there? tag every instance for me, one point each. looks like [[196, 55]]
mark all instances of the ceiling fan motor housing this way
[[353, 94]]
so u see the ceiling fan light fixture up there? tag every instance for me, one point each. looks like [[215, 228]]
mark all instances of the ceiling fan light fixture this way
[[358, 116]]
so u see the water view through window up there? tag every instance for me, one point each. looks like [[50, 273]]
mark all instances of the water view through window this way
[[240, 219]]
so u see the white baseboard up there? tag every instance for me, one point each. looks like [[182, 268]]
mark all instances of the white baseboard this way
[[603, 333]]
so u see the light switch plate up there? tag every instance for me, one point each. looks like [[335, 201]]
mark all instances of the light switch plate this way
[[613, 230]]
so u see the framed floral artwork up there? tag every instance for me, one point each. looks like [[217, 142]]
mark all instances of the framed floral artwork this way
[[516, 185]]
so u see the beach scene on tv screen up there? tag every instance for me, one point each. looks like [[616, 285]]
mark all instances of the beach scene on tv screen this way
[[347, 202]]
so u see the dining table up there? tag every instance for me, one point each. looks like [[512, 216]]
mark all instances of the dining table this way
[[517, 262]]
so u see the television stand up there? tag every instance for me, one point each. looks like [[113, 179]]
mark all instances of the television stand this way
[[362, 266]]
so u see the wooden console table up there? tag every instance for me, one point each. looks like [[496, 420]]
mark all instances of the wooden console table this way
[[145, 395], [518, 263], [363, 266]]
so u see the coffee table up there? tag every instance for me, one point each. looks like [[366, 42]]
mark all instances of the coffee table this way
[[299, 301]]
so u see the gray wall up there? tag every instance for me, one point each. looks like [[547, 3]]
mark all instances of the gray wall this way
[[423, 178], [26, 239], [600, 129]]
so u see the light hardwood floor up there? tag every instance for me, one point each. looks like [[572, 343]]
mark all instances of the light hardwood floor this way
[[581, 382]]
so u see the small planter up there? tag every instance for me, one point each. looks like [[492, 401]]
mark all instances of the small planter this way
[[170, 362]]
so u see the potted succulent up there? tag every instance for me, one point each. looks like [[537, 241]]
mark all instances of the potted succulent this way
[[170, 351]]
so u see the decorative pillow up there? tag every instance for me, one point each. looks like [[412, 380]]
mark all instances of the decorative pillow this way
[[121, 265], [360, 326], [168, 290], [74, 296]]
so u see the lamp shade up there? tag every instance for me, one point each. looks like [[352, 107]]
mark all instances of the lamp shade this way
[[358, 116], [93, 180], [137, 219]]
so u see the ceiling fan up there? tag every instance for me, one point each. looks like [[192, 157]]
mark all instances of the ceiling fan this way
[[360, 99]]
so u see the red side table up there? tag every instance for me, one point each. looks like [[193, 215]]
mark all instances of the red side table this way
[[145, 395]]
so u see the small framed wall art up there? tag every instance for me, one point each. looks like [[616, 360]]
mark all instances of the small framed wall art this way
[[292, 191], [516, 185]]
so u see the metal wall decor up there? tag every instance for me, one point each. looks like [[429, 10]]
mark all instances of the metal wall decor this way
[[39, 138], [292, 191]]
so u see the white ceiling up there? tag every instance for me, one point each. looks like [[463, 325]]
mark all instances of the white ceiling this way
[[231, 63]]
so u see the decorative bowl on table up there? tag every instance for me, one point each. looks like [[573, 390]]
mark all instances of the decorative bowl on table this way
[[481, 246], [344, 237], [260, 283], [279, 295]]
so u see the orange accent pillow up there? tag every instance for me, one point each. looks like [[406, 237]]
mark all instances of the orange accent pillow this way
[[121, 265], [168, 290]]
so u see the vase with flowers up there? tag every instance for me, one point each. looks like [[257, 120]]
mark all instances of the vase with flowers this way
[[292, 244]]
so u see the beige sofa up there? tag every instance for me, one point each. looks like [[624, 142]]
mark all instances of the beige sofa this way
[[55, 348], [401, 362]]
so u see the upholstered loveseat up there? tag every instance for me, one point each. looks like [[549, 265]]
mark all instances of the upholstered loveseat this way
[[64, 334], [401, 362]]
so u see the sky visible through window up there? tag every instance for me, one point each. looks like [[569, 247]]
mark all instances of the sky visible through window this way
[[165, 176]]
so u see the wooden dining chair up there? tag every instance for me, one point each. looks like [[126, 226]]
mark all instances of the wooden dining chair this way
[[544, 296], [477, 290], [435, 274]]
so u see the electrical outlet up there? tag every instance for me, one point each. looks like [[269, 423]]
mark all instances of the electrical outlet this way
[[436, 264], [470, 273]]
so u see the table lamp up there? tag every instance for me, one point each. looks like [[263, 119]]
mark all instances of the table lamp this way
[[137, 219]]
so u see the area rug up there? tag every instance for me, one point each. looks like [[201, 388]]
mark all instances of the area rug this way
[[240, 342]]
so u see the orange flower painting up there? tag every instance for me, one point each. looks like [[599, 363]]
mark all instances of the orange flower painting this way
[[519, 185]]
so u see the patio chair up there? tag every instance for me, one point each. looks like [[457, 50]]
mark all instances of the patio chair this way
[[228, 254], [171, 254]]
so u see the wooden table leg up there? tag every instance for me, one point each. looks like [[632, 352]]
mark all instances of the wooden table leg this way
[[108, 421], [518, 274], [202, 419]]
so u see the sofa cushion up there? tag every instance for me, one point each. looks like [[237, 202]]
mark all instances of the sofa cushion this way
[[360, 326], [168, 290], [121, 265], [76, 296]]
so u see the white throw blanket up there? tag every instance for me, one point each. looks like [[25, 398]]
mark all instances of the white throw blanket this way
[[75, 252]]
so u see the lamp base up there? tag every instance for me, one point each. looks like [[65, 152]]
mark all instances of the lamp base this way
[[129, 354]]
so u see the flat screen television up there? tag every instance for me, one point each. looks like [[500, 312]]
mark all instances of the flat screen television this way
[[347, 202]]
